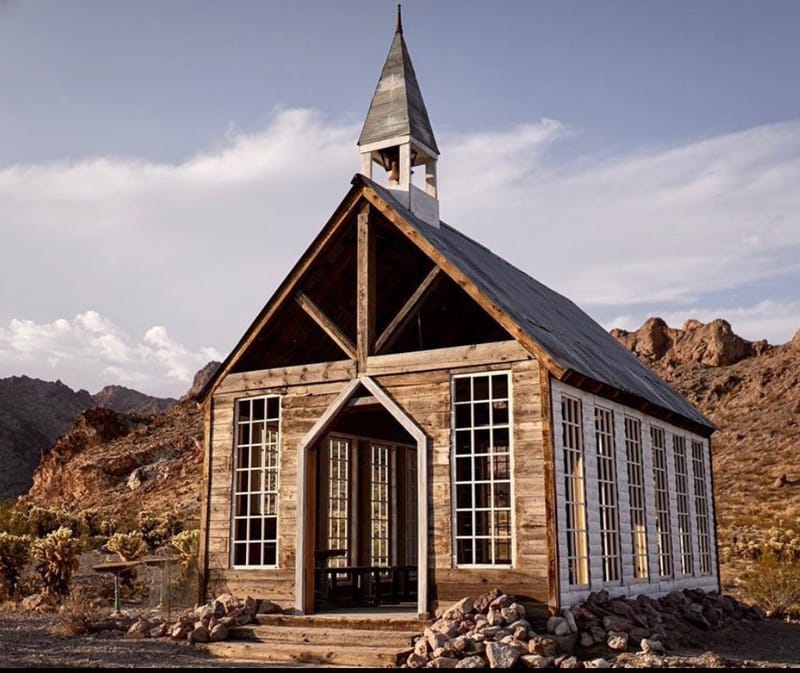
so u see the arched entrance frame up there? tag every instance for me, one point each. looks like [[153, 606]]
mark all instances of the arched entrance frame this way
[[313, 435]]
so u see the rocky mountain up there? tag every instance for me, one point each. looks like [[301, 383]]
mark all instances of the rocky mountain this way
[[121, 463], [33, 413], [128, 401], [751, 392]]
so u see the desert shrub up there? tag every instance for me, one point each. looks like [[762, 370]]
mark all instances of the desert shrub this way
[[56, 557], [13, 519], [128, 546], [15, 553], [780, 542], [157, 529], [186, 544], [43, 521], [774, 584]]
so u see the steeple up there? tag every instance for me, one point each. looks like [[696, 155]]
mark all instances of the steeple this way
[[397, 133]]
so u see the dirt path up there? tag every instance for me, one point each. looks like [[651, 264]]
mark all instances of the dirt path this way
[[32, 640]]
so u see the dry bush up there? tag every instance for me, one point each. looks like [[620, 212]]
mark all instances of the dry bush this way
[[774, 584], [75, 615], [128, 546]]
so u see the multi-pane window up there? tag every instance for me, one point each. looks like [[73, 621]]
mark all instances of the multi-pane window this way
[[682, 493], [574, 490], [607, 490], [661, 485], [701, 507], [379, 505], [633, 452], [338, 497], [255, 482], [482, 477]]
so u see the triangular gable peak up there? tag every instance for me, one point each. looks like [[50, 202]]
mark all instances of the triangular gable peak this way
[[332, 290]]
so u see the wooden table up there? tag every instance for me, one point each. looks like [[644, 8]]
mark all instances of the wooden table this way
[[116, 568]]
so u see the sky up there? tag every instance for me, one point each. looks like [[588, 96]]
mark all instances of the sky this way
[[164, 164]]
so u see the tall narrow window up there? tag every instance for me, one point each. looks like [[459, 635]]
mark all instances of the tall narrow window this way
[[701, 507], [379, 505], [339, 497], [682, 491], [255, 482], [633, 452], [482, 478], [661, 485], [607, 485], [574, 489]]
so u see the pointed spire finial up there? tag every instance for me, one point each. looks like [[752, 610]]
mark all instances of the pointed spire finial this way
[[399, 28]]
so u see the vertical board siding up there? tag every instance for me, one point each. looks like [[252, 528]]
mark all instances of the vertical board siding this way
[[425, 397]]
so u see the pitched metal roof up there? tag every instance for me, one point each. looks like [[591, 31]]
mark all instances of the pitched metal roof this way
[[397, 108], [565, 332]]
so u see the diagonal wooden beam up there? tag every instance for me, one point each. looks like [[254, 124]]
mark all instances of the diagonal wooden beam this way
[[394, 328], [328, 326]]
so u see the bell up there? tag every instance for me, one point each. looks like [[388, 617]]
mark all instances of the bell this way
[[394, 171]]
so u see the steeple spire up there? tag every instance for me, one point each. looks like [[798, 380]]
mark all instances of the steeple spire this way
[[397, 132]]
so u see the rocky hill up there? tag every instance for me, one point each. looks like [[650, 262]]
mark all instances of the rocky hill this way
[[128, 401], [33, 413], [122, 463], [751, 391]]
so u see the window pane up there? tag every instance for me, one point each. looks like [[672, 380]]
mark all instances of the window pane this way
[[464, 469], [255, 529], [482, 441], [482, 526], [258, 408], [270, 553], [244, 410], [481, 388], [464, 495], [482, 495], [500, 413], [463, 442], [483, 551], [481, 411], [255, 554], [500, 386], [464, 551], [240, 554], [500, 439], [463, 415], [462, 386], [273, 407], [244, 434], [464, 523], [482, 468]]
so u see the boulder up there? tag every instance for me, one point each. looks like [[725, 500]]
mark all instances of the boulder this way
[[218, 632], [543, 645], [473, 661], [617, 640], [442, 662], [536, 661], [501, 655]]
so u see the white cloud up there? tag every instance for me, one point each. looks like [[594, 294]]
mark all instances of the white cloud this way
[[199, 246], [89, 351]]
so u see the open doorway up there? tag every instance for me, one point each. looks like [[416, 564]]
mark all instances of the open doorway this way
[[366, 532]]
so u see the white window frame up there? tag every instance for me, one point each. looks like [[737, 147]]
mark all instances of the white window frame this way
[[259, 487], [339, 454], [492, 510], [683, 509], [701, 507], [576, 528], [637, 495], [666, 550], [608, 498], [380, 504]]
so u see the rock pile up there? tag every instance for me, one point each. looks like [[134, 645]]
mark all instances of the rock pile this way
[[211, 622], [494, 631]]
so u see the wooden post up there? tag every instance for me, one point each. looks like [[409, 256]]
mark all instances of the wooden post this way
[[553, 580], [205, 503], [365, 340]]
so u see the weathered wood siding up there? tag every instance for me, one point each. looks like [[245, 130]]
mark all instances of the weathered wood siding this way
[[425, 396]]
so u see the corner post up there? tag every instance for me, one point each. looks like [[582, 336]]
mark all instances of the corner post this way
[[365, 301]]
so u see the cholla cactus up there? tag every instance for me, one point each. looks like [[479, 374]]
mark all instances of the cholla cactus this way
[[15, 552], [129, 546], [57, 559], [187, 546], [157, 529]]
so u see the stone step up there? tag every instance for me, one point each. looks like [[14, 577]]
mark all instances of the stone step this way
[[303, 653], [324, 635]]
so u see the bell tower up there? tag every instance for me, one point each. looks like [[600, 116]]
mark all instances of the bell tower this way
[[397, 133]]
